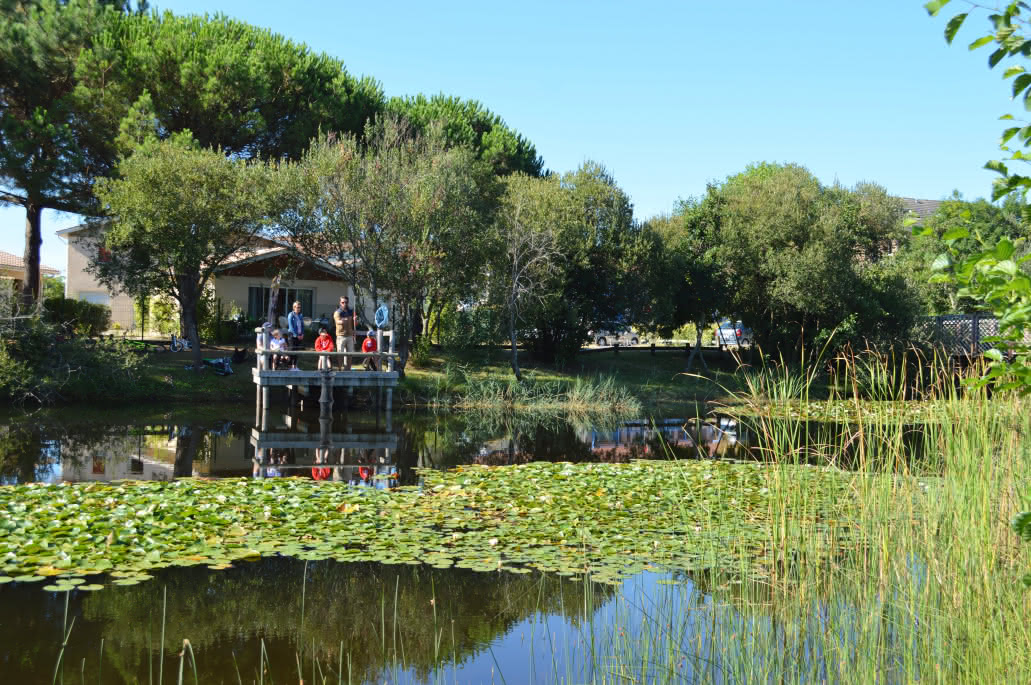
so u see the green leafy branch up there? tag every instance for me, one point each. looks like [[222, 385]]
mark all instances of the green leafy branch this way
[[993, 275]]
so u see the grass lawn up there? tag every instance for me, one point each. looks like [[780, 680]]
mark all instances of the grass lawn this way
[[659, 381], [168, 380]]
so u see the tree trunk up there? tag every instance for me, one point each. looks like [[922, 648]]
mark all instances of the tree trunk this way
[[697, 350], [189, 293], [186, 451], [33, 239], [512, 338], [402, 329]]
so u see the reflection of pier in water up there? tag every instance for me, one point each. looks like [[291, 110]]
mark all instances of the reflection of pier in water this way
[[361, 458]]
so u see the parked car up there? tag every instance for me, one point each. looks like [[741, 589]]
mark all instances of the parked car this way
[[621, 337], [732, 333]]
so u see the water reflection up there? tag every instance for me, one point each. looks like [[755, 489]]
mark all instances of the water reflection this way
[[372, 619], [281, 620], [371, 450]]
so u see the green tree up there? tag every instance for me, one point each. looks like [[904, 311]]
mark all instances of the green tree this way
[[980, 218], [598, 282], [177, 212], [467, 122], [804, 262], [692, 280], [53, 139], [405, 213], [243, 89], [533, 211], [53, 286]]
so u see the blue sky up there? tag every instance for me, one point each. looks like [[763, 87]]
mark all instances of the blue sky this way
[[672, 95]]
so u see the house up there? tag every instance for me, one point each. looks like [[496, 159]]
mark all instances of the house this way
[[243, 282], [12, 270], [922, 209]]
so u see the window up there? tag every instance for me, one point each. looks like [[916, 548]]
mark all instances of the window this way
[[96, 298], [103, 254], [258, 297]]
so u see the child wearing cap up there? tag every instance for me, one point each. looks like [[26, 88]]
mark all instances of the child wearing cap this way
[[324, 343]]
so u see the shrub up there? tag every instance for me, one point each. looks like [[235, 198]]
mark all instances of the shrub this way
[[421, 351], [471, 327], [164, 315], [36, 368], [77, 317]]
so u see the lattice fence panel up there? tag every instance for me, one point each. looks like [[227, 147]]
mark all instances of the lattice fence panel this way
[[961, 334]]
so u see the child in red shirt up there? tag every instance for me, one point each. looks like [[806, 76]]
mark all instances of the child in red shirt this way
[[369, 346], [324, 343]]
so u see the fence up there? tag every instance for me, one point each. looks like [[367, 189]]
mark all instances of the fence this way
[[961, 334]]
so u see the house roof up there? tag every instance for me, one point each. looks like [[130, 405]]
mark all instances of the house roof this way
[[922, 208], [14, 261], [262, 253], [72, 229]]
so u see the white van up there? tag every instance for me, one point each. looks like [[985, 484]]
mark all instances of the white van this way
[[621, 337]]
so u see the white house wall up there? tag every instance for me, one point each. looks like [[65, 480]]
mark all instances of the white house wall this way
[[325, 297], [81, 285]]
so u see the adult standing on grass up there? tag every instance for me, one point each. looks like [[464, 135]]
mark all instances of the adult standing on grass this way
[[295, 331], [345, 320]]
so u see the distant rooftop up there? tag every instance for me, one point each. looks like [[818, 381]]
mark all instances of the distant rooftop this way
[[14, 261], [922, 208]]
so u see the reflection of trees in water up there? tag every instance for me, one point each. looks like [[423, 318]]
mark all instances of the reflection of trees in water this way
[[235, 609], [32, 448]]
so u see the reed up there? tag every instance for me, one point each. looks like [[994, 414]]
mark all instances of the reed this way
[[923, 584]]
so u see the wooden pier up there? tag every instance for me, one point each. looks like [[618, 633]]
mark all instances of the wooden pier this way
[[265, 377]]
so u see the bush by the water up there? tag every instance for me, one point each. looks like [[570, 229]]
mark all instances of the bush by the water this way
[[581, 395], [76, 317], [36, 368]]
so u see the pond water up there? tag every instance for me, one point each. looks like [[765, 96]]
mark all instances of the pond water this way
[[220, 442], [283, 620], [356, 447], [279, 619]]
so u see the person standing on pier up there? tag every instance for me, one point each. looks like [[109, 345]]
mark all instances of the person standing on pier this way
[[324, 343], [346, 320], [295, 331]]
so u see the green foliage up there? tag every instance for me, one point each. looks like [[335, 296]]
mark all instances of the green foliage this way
[[176, 214], [691, 285], [36, 369], [980, 217], [462, 329], [591, 519], [470, 124], [582, 396], [217, 322], [1022, 526], [991, 274], [803, 263], [235, 87], [53, 286], [77, 317], [53, 137], [598, 279], [406, 213], [163, 315], [421, 350]]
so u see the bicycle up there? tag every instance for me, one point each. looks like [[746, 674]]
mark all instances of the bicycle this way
[[179, 344]]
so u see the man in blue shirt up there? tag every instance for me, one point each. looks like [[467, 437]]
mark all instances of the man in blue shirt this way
[[295, 331]]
